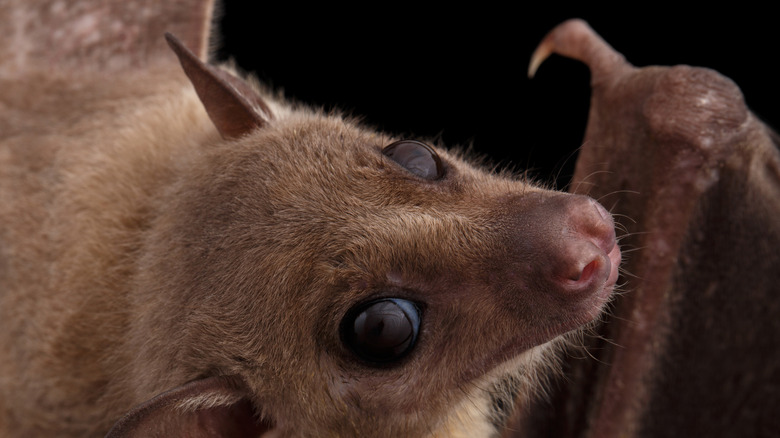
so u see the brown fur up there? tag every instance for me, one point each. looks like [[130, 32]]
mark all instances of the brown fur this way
[[139, 251]]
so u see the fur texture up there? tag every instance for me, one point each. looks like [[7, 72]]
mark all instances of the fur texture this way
[[139, 251]]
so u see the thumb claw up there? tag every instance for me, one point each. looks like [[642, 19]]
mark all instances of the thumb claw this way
[[575, 39]]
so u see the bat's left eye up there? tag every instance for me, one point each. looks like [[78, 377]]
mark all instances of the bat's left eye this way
[[416, 157], [381, 331]]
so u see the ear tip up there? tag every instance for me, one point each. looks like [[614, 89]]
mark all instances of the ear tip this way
[[172, 40], [182, 51], [229, 101]]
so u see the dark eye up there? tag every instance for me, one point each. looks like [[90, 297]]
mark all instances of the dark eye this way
[[416, 157], [381, 331]]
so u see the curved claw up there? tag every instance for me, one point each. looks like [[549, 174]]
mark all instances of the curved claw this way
[[575, 39]]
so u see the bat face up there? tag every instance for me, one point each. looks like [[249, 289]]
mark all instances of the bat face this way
[[203, 259], [395, 270]]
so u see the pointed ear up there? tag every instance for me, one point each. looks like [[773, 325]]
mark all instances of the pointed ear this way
[[233, 106], [212, 407]]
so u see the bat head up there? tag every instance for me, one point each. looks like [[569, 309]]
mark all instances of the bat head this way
[[311, 277]]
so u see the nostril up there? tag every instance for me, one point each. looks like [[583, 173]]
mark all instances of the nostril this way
[[587, 272], [581, 264], [588, 279]]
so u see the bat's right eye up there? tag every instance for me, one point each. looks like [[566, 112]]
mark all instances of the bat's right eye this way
[[416, 157], [381, 331]]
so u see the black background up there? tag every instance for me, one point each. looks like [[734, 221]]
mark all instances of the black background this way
[[459, 74]]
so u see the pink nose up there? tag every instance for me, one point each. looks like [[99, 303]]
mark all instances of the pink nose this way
[[588, 254]]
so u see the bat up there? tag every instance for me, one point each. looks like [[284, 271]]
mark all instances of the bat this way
[[183, 252], [692, 347]]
